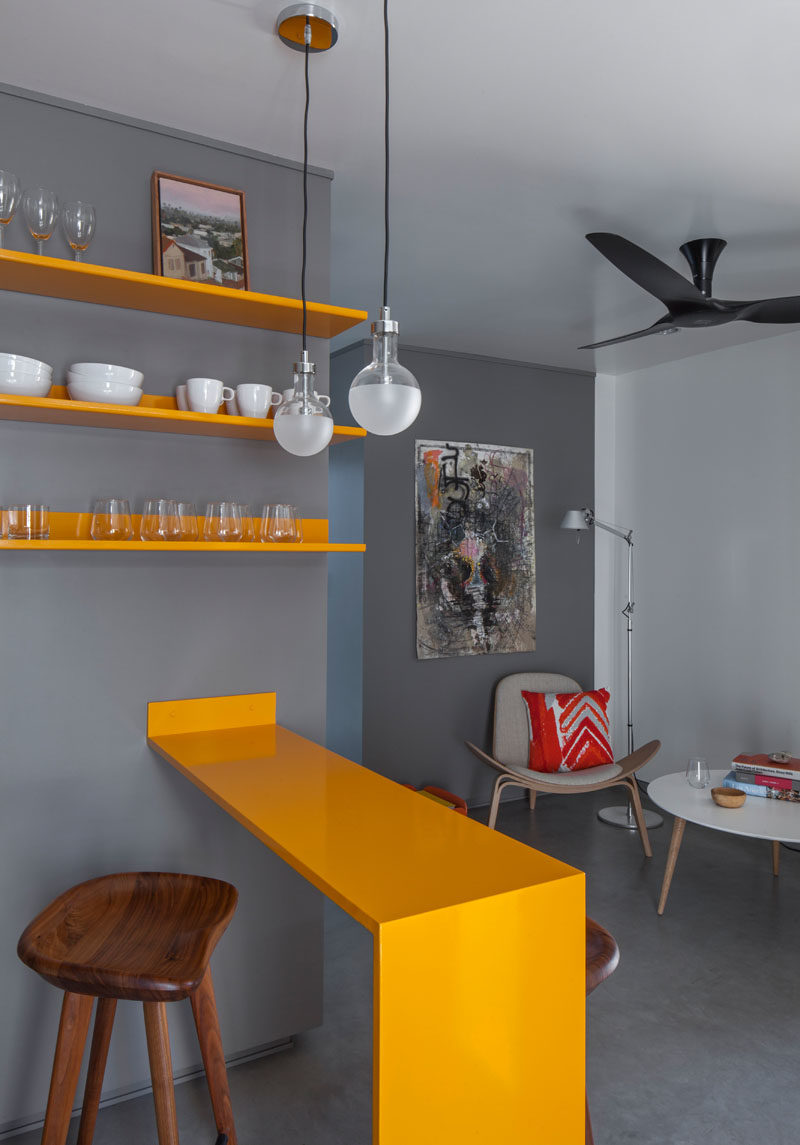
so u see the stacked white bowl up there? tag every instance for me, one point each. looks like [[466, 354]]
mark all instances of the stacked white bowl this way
[[103, 382], [25, 377]]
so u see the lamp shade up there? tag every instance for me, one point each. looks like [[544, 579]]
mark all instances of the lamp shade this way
[[575, 519]]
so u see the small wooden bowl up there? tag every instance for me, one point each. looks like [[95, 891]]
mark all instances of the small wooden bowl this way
[[728, 796]]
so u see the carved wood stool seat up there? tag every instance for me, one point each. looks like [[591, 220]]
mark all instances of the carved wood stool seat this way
[[140, 936], [602, 956]]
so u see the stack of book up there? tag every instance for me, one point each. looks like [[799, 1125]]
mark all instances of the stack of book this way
[[768, 778]]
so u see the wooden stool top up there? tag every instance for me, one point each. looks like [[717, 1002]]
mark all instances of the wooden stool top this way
[[602, 954], [145, 936]]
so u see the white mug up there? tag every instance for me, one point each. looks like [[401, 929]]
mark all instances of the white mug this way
[[323, 399], [232, 407], [180, 396], [205, 395], [254, 399]]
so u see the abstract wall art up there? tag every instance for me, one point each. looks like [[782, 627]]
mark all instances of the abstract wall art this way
[[475, 554]]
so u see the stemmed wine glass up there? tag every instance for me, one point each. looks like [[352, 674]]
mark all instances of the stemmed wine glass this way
[[78, 220], [41, 211], [9, 201]]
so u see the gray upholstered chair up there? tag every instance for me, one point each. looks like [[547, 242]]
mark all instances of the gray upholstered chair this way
[[510, 751]]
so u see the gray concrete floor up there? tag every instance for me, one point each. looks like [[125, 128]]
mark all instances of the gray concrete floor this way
[[693, 1041]]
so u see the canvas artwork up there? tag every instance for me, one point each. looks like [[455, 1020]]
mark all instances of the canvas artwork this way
[[476, 564], [199, 232]]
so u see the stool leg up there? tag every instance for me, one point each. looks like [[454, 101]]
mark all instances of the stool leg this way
[[155, 1024], [204, 1008], [103, 1024], [76, 1013]]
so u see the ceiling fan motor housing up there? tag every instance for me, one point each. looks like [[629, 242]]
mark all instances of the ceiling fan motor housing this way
[[702, 255]]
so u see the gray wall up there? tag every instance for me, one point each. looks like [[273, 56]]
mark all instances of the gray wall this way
[[88, 639], [418, 713]]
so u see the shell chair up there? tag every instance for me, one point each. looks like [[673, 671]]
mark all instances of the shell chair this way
[[510, 748]]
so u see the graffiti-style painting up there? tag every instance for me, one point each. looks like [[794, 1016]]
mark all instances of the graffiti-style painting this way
[[476, 563]]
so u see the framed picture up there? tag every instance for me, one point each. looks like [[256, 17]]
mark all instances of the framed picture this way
[[199, 232]]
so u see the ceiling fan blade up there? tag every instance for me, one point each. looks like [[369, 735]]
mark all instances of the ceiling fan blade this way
[[772, 310], [664, 323], [649, 272]]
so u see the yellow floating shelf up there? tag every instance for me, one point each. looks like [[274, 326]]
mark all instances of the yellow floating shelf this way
[[130, 290], [154, 413], [71, 531]]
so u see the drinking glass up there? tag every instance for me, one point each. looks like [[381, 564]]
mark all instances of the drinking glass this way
[[187, 516], [160, 521], [697, 773], [9, 201], [41, 212], [248, 531], [78, 220], [223, 521], [279, 525], [111, 520], [28, 523]]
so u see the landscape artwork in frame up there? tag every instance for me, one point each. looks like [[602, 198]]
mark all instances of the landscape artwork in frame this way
[[475, 553], [199, 232]]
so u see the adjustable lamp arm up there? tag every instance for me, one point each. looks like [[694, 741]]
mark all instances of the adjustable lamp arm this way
[[617, 530]]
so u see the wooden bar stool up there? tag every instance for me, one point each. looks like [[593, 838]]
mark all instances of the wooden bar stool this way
[[146, 937], [602, 956]]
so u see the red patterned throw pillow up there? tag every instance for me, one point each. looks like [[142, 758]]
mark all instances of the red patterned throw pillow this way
[[568, 730]]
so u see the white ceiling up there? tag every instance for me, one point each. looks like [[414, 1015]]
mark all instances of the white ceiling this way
[[514, 131]]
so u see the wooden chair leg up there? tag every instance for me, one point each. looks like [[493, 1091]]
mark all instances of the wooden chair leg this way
[[589, 1134], [204, 1008], [155, 1024], [101, 1037], [776, 858], [498, 787], [76, 1013], [531, 798], [640, 823]]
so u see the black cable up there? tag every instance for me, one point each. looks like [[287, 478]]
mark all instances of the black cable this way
[[386, 149], [305, 189]]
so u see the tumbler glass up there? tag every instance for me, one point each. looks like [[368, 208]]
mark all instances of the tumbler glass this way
[[187, 516], [160, 521], [223, 521], [111, 520], [28, 523], [279, 525], [248, 530], [697, 773]]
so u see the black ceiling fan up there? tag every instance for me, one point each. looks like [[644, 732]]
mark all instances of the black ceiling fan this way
[[688, 306]]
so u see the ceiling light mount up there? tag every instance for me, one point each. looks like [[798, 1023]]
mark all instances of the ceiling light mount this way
[[291, 26]]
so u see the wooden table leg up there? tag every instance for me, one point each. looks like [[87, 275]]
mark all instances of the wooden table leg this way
[[674, 847], [776, 858]]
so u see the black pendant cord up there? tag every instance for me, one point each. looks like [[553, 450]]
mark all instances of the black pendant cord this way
[[305, 187], [386, 149]]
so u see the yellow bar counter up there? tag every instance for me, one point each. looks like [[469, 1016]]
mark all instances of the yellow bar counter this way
[[479, 941]]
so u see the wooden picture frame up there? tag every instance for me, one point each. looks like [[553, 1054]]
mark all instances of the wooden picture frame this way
[[199, 232]]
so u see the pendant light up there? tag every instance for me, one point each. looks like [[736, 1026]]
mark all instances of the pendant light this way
[[303, 425], [385, 397]]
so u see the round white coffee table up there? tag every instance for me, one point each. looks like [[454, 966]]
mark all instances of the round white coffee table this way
[[757, 818]]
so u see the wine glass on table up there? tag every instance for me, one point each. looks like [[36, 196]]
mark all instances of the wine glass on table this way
[[41, 213], [697, 773], [9, 201], [78, 220]]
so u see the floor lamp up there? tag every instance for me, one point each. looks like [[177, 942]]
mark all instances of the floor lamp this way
[[581, 520]]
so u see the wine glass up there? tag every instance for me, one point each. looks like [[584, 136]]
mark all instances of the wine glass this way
[[9, 201], [78, 220], [697, 773], [41, 211]]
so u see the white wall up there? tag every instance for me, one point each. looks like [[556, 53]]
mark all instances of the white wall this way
[[701, 458]]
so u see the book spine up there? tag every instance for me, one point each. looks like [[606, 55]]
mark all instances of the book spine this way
[[762, 792], [761, 769], [780, 783]]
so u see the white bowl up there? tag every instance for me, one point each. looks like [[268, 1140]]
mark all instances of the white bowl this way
[[17, 361], [110, 393], [104, 371], [28, 386]]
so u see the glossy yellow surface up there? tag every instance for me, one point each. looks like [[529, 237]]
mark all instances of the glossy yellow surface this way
[[130, 290], [71, 531], [479, 972], [155, 414]]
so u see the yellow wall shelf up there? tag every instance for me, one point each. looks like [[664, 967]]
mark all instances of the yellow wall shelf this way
[[71, 531], [130, 290], [479, 941], [154, 413]]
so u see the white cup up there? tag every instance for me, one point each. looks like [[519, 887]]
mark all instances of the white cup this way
[[180, 396], [255, 399], [323, 399], [205, 395], [232, 407]]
